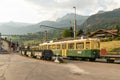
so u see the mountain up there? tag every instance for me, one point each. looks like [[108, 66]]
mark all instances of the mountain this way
[[68, 19], [23, 28], [65, 21], [103, 20], [14, 28], [100, 20], [101, 11], [15, 24]]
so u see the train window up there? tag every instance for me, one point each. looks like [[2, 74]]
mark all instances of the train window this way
[[58, 46], [71, 46], [87, 45], [49, 46], [96, 45], [40, 47], [45, 47], [79, 45], [64, 46], [54, 46]]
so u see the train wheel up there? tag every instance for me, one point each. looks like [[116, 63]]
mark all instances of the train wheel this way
[[72, 58], [23, 52], [33, 56], [110, 61], [83, 59], [43, 58], [92, 59], [38, 57]]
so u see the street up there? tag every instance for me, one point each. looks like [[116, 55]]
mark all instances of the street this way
[[17, 67]]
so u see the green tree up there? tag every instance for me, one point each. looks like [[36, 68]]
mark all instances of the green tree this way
[[116, 27], [80, 32], [66, 33], [87, 31]]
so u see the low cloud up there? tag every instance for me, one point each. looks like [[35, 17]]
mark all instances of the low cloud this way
[[83, 6], [38, 10]]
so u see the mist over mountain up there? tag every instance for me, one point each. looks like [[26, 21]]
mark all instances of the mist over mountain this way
[[68, 20], [23, 28], [100, 20], [14, 28], [15, 24], [65, 21]]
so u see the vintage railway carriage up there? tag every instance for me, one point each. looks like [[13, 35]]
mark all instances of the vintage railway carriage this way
[[81, 48], [38, 52]]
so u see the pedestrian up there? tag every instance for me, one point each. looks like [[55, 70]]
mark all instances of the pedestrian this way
[[0, 47]]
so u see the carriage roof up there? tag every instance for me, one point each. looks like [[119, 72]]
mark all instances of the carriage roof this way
[[69, 41]]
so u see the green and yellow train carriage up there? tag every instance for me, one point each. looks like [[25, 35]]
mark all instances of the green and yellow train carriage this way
[[81, 48]]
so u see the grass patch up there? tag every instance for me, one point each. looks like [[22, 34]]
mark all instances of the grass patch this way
[[110, 45]]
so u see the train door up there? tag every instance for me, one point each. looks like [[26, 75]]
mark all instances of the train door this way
[[64, 53], [64, 50]]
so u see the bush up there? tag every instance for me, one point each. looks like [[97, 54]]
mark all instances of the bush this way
[[116, 50], [106, 39], [117, 38]]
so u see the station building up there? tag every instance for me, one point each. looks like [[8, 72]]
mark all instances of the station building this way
[[4, 45]]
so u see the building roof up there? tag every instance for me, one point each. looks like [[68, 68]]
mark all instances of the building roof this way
[[5, 40], [113, 32]]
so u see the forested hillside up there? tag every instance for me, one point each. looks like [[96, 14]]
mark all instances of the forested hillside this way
[[103, 20]]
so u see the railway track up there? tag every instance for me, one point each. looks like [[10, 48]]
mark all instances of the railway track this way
[[75, 60]]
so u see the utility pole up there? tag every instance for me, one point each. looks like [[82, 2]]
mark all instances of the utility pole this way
[[75, 23], [45, 35], [0, 40], [0, 35]]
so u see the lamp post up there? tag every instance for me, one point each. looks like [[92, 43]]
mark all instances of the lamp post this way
[[45, 35], [0, 37], [75, 23]]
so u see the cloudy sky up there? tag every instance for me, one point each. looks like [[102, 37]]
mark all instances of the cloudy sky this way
[[34, 11]]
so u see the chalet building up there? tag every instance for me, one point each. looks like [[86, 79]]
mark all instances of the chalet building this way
[[4, 45], [104, 34]]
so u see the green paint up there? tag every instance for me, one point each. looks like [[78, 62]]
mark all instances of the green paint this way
[[57, 52], [83, 53]]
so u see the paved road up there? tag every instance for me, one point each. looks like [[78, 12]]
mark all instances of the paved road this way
[[16, 67]]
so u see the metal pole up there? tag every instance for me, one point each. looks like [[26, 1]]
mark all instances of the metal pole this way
[[0, 43], [45, 35], [75, 23], [0, 35]]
